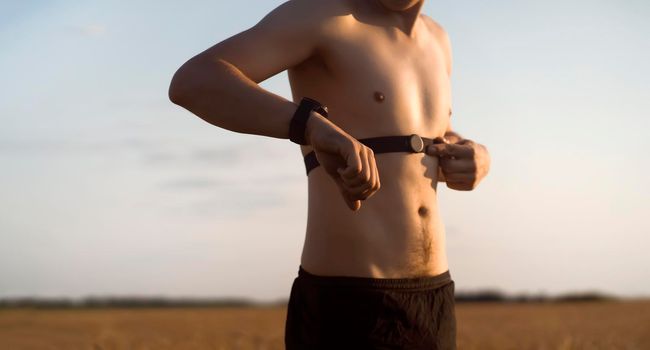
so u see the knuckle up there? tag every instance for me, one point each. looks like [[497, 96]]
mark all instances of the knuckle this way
[[349, 141], [356, 145]]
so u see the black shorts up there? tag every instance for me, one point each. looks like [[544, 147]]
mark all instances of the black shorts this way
[[345, 312]]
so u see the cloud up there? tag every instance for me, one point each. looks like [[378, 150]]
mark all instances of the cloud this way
[[191, 183], [158, 157], [92, 30], [227, 155], [238, 204]]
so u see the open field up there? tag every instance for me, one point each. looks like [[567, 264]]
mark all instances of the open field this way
[[576, 325]]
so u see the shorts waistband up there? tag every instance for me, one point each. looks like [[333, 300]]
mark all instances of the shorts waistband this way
[[407, 283]]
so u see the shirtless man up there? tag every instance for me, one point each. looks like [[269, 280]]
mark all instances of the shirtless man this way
[[371, 275]]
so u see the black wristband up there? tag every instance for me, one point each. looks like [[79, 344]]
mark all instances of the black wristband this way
[[299, 120]]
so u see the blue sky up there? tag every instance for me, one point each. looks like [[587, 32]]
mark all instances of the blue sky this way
[[108, 188]]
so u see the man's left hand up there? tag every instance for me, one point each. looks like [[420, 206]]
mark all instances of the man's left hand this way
[[464, 164]]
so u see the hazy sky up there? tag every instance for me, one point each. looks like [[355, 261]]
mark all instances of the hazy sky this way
[[106, 187]]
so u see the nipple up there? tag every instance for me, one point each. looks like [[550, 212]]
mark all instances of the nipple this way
[[379, 97]]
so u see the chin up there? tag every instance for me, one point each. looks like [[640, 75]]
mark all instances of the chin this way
[[399, 5]]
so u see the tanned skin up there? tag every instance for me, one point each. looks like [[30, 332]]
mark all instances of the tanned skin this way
[[382, 68]]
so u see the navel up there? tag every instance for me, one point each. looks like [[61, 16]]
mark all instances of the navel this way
[[423, 211], [379, 96]]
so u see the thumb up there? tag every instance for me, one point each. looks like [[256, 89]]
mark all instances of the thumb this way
[[437, 149], [354, 205]]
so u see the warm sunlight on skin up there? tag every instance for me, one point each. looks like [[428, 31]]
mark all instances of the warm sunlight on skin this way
[[398, 64]]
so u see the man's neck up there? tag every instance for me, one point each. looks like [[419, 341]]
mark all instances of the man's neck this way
[[405, 19]]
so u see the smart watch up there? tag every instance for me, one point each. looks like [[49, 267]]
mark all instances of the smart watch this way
[[299, 120]]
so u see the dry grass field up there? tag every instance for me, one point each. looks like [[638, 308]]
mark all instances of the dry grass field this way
[[576, 325]]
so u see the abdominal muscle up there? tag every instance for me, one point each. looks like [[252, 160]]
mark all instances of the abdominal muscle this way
[[396, 233]]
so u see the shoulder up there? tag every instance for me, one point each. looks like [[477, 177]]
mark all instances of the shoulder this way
[[440, 36], [312, 13], [436, 29]]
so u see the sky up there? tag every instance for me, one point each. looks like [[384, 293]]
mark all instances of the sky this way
[[107, 188]]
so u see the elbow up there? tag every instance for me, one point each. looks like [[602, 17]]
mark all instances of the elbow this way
[[193, 81], [177, 91], [184, 83]]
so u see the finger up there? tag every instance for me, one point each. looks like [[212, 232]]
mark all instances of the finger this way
[[364, 175], [440, 139], [437, 149], [459, 151], [460, 178], [349, 201], [360, 193], [375, 173], [367, 173], [353, 164], [353, 204], [369, 188], [378, 177], [466, 142], [463, 165], [364, 189], [351, 191], [460, 186], [369, 185], [369, 192]]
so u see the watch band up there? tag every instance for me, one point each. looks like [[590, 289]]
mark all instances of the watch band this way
[[299, 120]]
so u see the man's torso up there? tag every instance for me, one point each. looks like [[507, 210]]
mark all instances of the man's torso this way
[[398, 231]]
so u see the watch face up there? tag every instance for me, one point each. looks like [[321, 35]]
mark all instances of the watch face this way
[[416, 143]]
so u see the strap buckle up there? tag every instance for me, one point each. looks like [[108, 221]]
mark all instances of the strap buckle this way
[[416, 143]]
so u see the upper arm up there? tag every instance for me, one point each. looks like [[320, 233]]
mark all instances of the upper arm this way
[[283, 38]]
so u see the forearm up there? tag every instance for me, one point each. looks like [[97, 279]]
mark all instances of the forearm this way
[[223, 96]]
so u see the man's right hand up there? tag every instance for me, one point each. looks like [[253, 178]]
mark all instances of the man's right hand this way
[[349, 162]]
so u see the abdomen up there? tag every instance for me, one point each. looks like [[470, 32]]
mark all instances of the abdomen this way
[[397, 232]]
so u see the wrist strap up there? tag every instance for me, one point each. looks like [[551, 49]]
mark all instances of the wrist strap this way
[[299, 120]]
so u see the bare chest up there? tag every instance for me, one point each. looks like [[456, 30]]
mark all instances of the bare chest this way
[[377, 81]]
